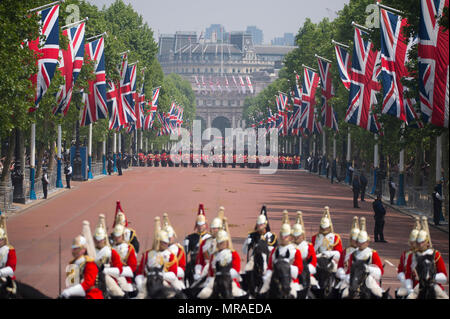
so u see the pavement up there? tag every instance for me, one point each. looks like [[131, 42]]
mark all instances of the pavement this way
[[37, 230]]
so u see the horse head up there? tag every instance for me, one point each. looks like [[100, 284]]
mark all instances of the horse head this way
[[155, 279], [7, 288], [324, 274], [280, 283], [222, 288], [358, 275], [426, 274]]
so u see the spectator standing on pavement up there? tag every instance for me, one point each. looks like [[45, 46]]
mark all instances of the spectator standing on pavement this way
[[437, 205], [380, 212], [334, 171], [45, 182], [110, 165], [68, 173], [356, 189], [392, 189], [363, 181]]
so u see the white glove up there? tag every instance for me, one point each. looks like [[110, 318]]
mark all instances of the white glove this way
[[112, 271], [139, 280], [198, 269], [196, 276], [169, 276], [340, 273], [235, 275], [408, 284], [346, 278], [74, 291], [294, 272], [127, 272], [375, 272], [312, 269], [401, 276], [267, 275], [6, 272], [441, 278]]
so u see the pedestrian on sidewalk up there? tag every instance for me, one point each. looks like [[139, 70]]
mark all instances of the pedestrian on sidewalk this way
[[45, 182], [437, 205], [363, 181], [380, 212], [334, 171], [110, 165], [356, 186], [68, 173], [119, 163], [392, 189]]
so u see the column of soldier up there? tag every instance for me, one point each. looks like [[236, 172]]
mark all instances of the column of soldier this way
[[163, 158], [205, 265]]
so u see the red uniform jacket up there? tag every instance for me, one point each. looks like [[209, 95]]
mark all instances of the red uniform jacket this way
[[235, 264], [12, 260], [171, 266], [375, 259], [438, 260], [295, 261]]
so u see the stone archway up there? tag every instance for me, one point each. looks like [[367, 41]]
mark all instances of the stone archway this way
[[203, 122], [221, 123]]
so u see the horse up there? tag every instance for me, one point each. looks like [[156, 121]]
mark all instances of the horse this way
[[280, 282], [305, 280], [10, 289], [326, 279], [155, 286], [222, 288], [255, 268], [358, 288]]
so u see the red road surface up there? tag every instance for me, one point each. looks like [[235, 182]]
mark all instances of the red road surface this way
[[149, 192]]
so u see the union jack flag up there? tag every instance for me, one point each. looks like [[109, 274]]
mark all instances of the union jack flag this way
[[47, 54], [113, 102], [310, 83], [393, 68], [139, 105], [343, 60], [95, 104], [126, 107], [433, 63], [155, 97], [71, 61], [328, 114], [241, 81], [364, 84]]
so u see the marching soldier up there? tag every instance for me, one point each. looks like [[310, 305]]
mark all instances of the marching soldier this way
[[326, 242], [424, 247], [157, 159], [306, 249], [159, 256], [347, 252], [284, 248], [8, 259], [150, 158], [401, 268], [129, 233], [262, 231], [175, 247], [127, 256], [365, 253], [81, 273], [107, 258]]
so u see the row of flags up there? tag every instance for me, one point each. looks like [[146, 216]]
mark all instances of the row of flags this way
[[118, 101], [208, 85], [361, 74]]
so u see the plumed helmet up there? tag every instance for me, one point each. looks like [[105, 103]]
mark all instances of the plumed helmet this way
[[122, 218], [424, 233], [118, 230], [2, 233], [285, 218], [285, 230], [326, 222], [261, 220], [167, 225], [216, 223], [363, 235], [3, 230], [297, 230], [79, 242], [201, 217], [415, 231], [169, 230], [100, 233], [222, 236], [163, 236], [354, 231]]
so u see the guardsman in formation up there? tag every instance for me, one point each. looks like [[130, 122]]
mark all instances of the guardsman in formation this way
[[371, 257], [192, 241], [159, 257], [81, 273], [297, 162], [326, 242], [8, 258], [285, 249], [128, 258], [157, 159], [224, 255], [262, 231], [402, 292], [347, 252], [175, 247], [107, 259], [207, 248], [150, 158], [424, 248], [129, 233], [306, 249]]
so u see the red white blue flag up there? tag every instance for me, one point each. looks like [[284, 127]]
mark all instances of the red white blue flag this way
[[328, 114], [113, 102], [343, 62], [433, 63], [47, 50], [310, 83]]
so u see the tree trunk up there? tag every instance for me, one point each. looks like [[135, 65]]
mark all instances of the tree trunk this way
[[6, 174], [445, 165], [39, 155], [432, 174], [417, 166]]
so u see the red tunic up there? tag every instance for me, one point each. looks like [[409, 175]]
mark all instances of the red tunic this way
[[170, 266], [235, 264], [12, 260], [374, 259], [294, 261], [438, 260]]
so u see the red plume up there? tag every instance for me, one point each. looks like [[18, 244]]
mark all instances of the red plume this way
[[201, 210], [119, 208]]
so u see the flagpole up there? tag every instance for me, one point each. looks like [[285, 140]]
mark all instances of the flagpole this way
[[354, 24], [32, 161], [59, 183], [349, 149], [389, 8], [97, 36], [74, 23], [115, 152], [322, 58], [340, 44], [375, 164], [308, 67], [45, 6], [104, 155], [90, 152]]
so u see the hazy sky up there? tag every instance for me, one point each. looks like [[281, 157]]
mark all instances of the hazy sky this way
[[274, 17]]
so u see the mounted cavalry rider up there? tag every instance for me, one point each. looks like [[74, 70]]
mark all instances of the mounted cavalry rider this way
[[306, 249], [160, 256], [345, 256], [8, 258], [401, 268], [108, 258], [262, 231], [424, 247], [129, 233], [208, 248], [192, 241], [326, 242], [175, 247], [285, 249], [374, 265]]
